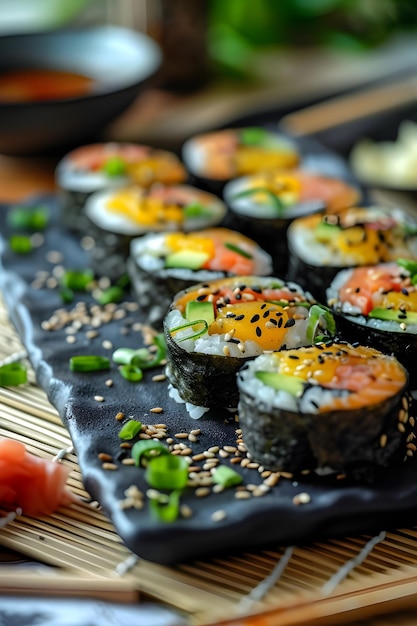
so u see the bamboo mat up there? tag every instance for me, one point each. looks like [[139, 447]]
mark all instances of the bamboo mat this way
[[327, 582]]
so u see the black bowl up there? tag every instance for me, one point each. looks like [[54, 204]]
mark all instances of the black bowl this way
[[119, 61]]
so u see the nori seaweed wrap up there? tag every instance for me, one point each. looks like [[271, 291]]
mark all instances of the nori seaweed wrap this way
[[329, 407], [115, 217], [162, 264], [264, 205], [321, 245], [215, 157], [110, 165], [377, 306], [213, 328]]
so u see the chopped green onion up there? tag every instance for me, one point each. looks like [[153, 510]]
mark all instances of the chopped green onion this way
[[77, 280], [276, 201], [123, 356], [316, 315], [21, 244], [286, 303], [146, 359], [142, 358], [167, 510], [67, 295], [238, 250], [147, 449], [226, 476], [409, 265], [28, 218], [13, 374], [114, 166], [131, 373], [167, 471], [196, 334], [112, 294], [195, 209], [253, 136], [89, 363], [130, 429]]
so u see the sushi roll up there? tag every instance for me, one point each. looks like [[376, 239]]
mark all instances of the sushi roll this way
[[377, 305], [328, 408], [115, 217], [162, 264], [264, 204], [321, 245], [108, 166], [215, 157], [212, 328]]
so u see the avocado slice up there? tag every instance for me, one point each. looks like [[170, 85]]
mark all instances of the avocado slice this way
[[282, 382], [187, 259], [325, 232], [197, 311], [394, 315]]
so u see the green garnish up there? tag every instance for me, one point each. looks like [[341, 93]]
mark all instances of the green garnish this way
[[195, 209], [67, 295], [202, 324], [253, 136], [276, 201], [89, 363], [13, 374], [77, 280], [130, 429], [28, 218], [147, 449], [234, 248], [166, 509], [317, 317], [114, 166], [112, 294], [143, 358], [21, 244], [123, 356], [409, 265], [226, 476], [131, 373], [167, 471]]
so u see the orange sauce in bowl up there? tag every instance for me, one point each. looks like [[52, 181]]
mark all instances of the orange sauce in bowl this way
[[33, 85]]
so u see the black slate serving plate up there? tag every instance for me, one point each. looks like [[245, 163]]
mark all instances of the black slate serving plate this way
[[334, 508]]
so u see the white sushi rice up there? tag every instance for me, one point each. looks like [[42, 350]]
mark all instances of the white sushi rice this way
[[72, 178], [150, 251], [98, 212], [354, 314], [303, 243], [310, 401], [264, 209]]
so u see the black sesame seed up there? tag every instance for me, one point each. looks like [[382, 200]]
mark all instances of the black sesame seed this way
[[258, 331], [279, 324], [263, 305], [290, 322], [404, 291], [255, 318], [239, 317], [266, 314], [293, 356], [202, 297]]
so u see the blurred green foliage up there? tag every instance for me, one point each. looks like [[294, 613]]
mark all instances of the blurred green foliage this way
[[238, 28]]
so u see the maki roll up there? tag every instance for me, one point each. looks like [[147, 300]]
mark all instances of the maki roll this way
[[264, 204], [107, 166], [115, 217], [215, 157], [321, 245], [162, 264], [212, 328], [331, 407], [377, 305]]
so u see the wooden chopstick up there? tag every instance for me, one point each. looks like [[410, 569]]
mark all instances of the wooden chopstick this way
[[342, 109]]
